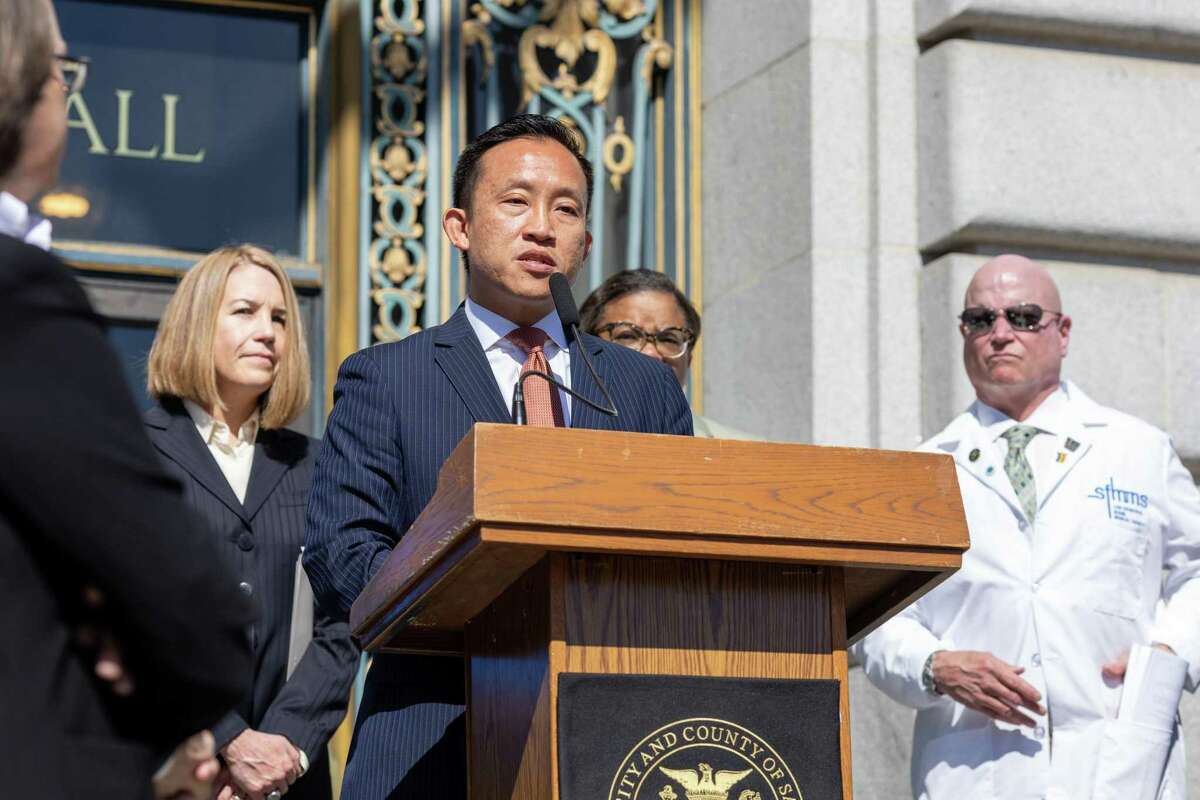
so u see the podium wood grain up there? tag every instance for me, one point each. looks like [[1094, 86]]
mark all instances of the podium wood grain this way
[[507, 495]]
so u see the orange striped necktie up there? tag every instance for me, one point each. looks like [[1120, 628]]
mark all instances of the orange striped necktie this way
[[543, 407]]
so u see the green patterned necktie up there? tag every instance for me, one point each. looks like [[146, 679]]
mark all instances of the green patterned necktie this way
[[1016, 466]]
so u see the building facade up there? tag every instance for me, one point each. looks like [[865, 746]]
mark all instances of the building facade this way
[[861, 159]]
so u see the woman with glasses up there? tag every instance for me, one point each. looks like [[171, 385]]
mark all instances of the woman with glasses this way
[[644, 311], [229, 369]]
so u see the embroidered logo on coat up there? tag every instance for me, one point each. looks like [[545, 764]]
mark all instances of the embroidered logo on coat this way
[[1125, 505]]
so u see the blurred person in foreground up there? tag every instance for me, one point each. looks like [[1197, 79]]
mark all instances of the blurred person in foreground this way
[[229, 368], [643, 310], [101, 571], [1085, 540]]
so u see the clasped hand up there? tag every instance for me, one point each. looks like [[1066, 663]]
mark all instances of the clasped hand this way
[[256, 764]]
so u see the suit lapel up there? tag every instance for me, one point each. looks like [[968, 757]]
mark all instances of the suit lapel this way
[[458, 353], [582, 415], [265, 473], [179, 441], [977, 455]]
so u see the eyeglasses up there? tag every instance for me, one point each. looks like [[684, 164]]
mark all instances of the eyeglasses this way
[[74, 72], [669, 342], [1023, 317]]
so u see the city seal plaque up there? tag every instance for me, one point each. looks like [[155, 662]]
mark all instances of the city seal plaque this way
[[704, 759], [665, 737]]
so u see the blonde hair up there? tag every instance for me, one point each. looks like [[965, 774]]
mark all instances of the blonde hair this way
[[181, 358]]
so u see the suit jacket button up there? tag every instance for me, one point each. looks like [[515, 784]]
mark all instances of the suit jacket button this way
[[245, 587], [246, 542]]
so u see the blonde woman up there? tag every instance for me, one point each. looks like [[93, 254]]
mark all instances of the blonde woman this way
[[229, 369]]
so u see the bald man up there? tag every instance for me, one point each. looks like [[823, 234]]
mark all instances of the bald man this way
[[1085, 540]]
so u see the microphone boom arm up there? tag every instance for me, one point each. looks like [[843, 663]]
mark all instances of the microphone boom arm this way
[[518, 413]]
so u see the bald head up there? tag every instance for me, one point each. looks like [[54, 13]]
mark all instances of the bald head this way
[[1013, 276], [1014, 370]]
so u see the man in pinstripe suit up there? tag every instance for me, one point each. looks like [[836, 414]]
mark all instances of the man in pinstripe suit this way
[[520, 214]]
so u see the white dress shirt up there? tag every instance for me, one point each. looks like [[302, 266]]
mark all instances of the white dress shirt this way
[[506, 359], [17, 221], [235, 456]]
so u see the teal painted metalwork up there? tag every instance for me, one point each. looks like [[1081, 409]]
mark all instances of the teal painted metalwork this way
[[578, 104], [397, 258], [522, 18], [516, 60], [619, 29]]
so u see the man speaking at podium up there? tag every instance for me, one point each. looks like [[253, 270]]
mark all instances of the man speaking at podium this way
[[521, 193]]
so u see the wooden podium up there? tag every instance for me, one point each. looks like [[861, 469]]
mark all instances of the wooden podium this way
[[547, 551]]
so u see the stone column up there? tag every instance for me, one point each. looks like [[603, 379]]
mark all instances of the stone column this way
[[810, 221]]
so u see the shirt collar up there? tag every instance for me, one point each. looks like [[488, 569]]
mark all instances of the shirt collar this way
[[17, 221], [213, 432], [1052, 416], [491, 328]]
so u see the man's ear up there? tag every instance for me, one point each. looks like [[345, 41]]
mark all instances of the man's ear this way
[[454, 223], [1064, 331], [587, 246]]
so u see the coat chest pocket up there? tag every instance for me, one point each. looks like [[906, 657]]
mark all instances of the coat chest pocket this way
[[1118, 554]]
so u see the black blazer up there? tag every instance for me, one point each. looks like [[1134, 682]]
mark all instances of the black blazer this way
[[84, 501], [261, 541]]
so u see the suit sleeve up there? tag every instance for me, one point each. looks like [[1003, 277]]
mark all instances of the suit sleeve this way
[[227, 729], [313, 702], [356, 489], [1175, 624], [84, 480]]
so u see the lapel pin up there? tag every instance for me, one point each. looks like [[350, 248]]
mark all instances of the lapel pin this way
[[1071, 444], [990, 470], [974, 456], [1062, 458]]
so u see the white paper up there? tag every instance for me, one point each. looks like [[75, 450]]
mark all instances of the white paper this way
[[1153, 685]]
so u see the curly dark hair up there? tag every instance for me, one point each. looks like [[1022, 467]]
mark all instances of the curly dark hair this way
[[628, 282]]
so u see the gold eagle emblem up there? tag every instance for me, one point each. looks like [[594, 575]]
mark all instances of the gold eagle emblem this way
[[706, 784]]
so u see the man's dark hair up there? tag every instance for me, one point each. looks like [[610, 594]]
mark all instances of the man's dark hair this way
[[26, 52], [631, 281], [524, 126]]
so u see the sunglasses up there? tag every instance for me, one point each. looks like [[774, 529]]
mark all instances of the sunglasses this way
[[1023, 317]]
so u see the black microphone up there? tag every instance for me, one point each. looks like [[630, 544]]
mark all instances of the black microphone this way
[[564, 305], [568, 315]]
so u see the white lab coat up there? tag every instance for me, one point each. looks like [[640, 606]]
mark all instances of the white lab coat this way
[[1101, 569]]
